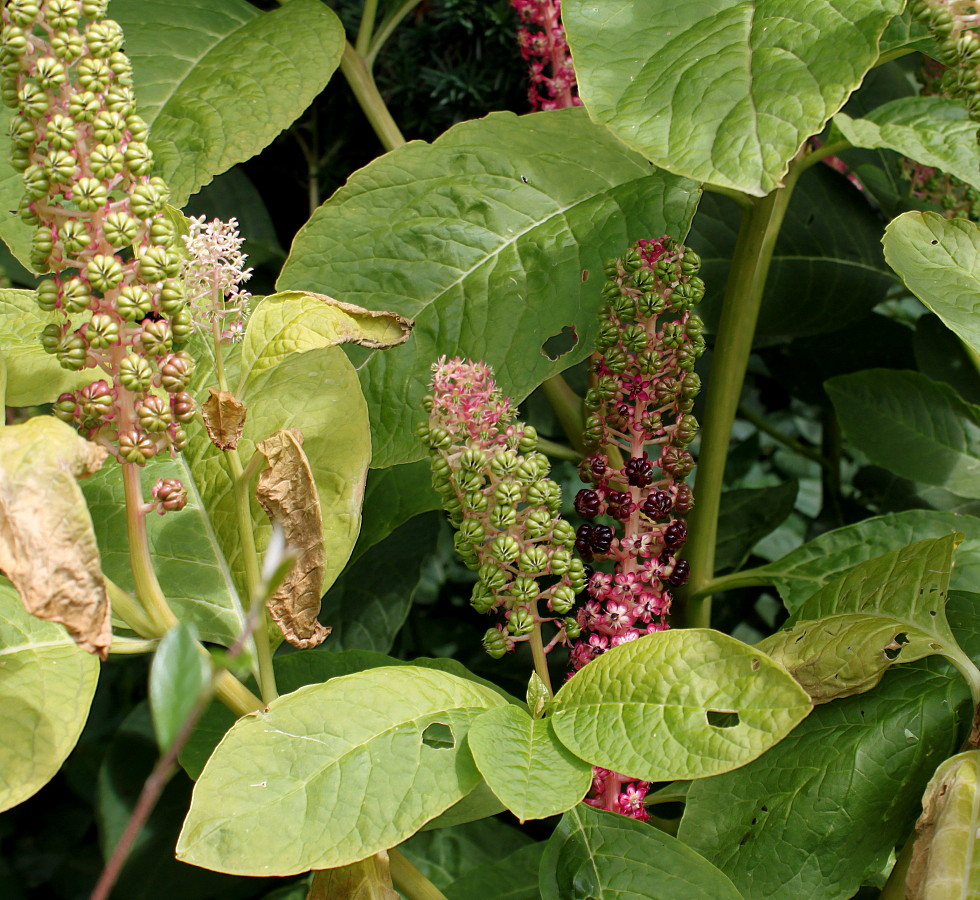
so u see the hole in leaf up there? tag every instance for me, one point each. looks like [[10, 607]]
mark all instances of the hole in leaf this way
[[755, 664], [438, 736], [745, 837], [895, 647], [722, 718], [559, 344], [764, 808]]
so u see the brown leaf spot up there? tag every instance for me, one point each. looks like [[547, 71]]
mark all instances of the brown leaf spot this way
[[287, 493], [224, 418], [47, 545]]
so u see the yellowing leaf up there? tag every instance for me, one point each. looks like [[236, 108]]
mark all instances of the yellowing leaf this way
[[369, 879], [287, 493], [47, 546], [224, 417]]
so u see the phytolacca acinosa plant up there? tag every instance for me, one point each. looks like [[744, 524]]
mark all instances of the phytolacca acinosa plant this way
[[100, 227], [640, 405], [545, 50], [494, 486]]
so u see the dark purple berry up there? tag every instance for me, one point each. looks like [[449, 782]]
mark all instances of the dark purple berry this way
[[684, 500], [589, 572], [657, 505], [587, 503], [601, 538], [682, 569], [583, 542], [676, 534], [638, 472], [598, 466]]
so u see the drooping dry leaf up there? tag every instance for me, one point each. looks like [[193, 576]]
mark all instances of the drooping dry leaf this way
[[287, 493], [944, 859], [368, 879], [372, 328], [224, 418], [47, 546]]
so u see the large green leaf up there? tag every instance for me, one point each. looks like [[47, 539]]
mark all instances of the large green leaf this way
[[723, 91], [945, 862], [526, 766], [33, 376], [217, 82], [491, 242], [890, 609], [334, 772], [187, 556], [939, 261], [46, 687], [934, 131], [827, 804], [905, 33], [14, 232], [514, 877], [827, 269], [179, 676], [913, 426], [318, 393], [748, 515], [942, 356], [369, 603], [661, 707], [802, 572], [594, 853]]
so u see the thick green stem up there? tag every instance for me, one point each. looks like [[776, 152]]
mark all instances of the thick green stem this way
[[409, 880], [894, 888], [233, 694], [567, 406], [743, 297], [361, 82], [365, 30], [539, 657], [558, 451], [745, 578]]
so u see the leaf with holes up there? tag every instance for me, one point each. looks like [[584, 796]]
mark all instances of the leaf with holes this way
[[828, 804], [934, 131], [526, 766], [677, 704], [335, 772], [46, 687], [939, 261], [491, 242], [595, 853], [804, 571], [724, 92], [945, 862], [911, 425], [218, 81]]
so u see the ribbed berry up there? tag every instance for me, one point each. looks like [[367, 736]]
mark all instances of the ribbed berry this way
[[587, 503]]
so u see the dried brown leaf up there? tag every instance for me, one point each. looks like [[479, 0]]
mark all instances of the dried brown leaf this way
[[287, 493], [224, 418], [374, 328], [47, 545], [368, 879]]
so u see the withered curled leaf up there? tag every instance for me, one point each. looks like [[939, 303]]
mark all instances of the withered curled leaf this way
[[47, 545], [224, 418], [287, 493], [368, 879]]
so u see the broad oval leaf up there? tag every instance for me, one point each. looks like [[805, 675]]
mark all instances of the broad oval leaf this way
[[805, 570], [945, 863], [934, 131], [334, 772], [46, 688], [726, 91], [295, 321], [179, 676], [827, 805], [911, 425], [658, 708], [595, 853], [527, 767], [514, 877], [187, 555], [217, 82], [939, 261], [491, 242], [33, 376], [47, 545]]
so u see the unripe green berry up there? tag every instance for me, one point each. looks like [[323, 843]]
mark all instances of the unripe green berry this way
[[503, 515], [505, 548], [178, 439], [156, 338], [21, 131], [83, 106], [51, 338], [520, 621], [476, 501], [472, 531], [64, 408], [42, 246], [137, 127], [538, 523], [158, 263], [468, 481], [102, 331], [651, 304], [691, 385], [690, 262], [504, 463], [572, 628], [562, 599], [534, 560], [20, 158], [616, 360], [74, 236], [119, 99], [75, 296], [67, 45], [106, 161], [13, 40], [72, 352], [94, 75], [50, 72], [482, 599], [36, 182], [635, 338], [561, 559], [104, 272], [120, 229], [177, 371], [135, 447], [154, 414], [94, 9], [104, 38], [61, 133], [527, 471], [495, 643], [529, 440], [173, 300], [26, 211], [162, 231], [181, 325], [108, 127], [90, 194], [47, 294], [607, 337], [576, 575], [135, 373], [62, 14], [23, 12], [473, 459], [122, 68], [493, 576], [509, 492], [564, 534]]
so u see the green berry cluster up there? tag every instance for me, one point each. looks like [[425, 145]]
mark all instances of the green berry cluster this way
[[496, 489], [100, 225]]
